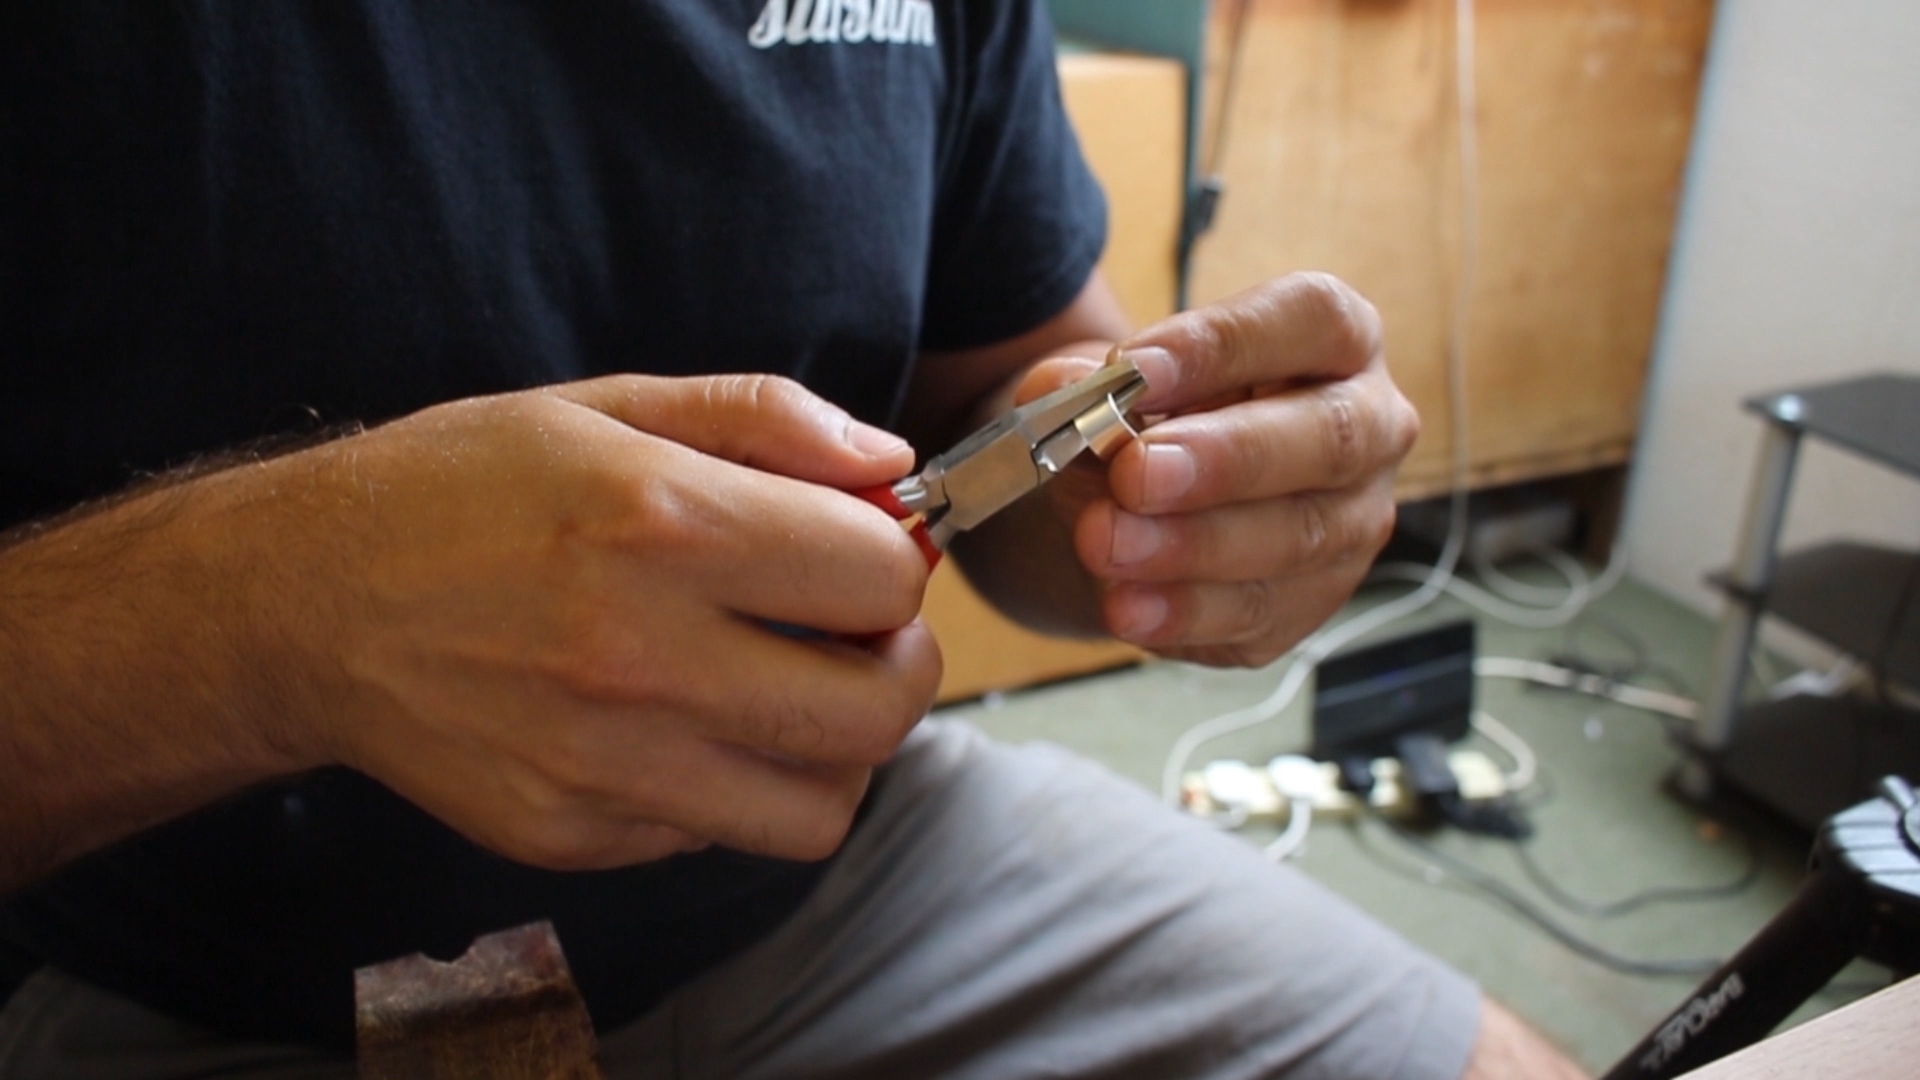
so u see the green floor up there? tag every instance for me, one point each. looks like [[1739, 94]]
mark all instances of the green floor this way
[[1605, 826]]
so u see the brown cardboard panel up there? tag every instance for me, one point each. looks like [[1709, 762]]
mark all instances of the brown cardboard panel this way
[[986, 653], [1343, 155], [1130, 113]]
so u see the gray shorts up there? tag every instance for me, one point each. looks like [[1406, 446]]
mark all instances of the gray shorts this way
[[1002, 912]]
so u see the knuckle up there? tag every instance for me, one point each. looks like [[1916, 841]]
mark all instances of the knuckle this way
[[1340, 435], [1240, 332], [626, 385], [644, 508], [723, 393], [785, 724], [875, 734], [1405, 426], [778, 393], [818, 836], [1321, 297], [1351, 321], [1313, 531], [1319, 289], [1253, 610], [752, 393]]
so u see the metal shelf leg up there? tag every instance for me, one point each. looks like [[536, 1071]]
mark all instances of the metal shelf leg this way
[[1750, 575]]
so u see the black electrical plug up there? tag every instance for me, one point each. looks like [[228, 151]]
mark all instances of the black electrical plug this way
[[1428, 775], [1424, 767], [1356, 775]]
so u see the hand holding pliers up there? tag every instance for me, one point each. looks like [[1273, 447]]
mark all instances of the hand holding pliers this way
[[1018, 453]]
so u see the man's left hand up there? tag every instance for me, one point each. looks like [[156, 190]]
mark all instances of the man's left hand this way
[[1250, 510]]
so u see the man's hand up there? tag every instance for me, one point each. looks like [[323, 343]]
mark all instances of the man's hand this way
[[563, 645], [544, 617], [1248, 515]]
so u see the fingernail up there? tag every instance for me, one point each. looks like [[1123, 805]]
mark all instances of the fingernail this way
[[1169, 474], [1158, 368], [874, 442], [1140, 614], [1135, 539]]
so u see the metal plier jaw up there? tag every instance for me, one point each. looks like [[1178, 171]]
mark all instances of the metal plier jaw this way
[[992, 468]]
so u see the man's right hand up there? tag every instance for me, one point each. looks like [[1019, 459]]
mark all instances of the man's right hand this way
[[544, 617], [557, 641]]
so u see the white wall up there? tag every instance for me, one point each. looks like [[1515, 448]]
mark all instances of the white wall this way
[[1797, 260]]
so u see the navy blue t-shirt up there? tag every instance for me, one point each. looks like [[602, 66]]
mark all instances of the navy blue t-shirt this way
[[223, 222]]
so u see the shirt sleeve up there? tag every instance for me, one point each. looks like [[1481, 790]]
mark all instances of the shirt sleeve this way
[[1020, 221]]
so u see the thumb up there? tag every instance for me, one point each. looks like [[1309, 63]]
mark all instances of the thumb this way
[[1051, 374], [764, 422]]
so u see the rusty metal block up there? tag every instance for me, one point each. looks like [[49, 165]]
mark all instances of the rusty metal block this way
[[507, 1010]]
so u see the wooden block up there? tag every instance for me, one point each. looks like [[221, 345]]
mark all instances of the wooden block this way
[[1875, 1037]]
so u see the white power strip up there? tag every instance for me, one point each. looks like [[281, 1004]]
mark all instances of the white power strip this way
[[1235, 790]]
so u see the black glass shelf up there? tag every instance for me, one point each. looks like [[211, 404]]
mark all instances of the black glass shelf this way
[[1860, 598], [1811, 757], [1875, 416]]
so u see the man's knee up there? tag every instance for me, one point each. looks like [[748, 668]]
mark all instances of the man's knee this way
[[1506, 1048]]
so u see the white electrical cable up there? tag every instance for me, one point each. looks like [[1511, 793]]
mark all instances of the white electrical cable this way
[[1526, 764], [1309, 653], [1846, 673], [1235, 817], [1521, 592], [1505, 610], [1293, 839], [1536, 671], [1307, 656]]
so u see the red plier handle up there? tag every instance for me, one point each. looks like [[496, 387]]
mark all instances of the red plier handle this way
[[886, 498]]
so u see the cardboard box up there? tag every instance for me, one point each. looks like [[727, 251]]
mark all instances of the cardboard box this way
[[1130, 113]]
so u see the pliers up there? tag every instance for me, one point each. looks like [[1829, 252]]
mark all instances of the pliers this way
[[991, 469]]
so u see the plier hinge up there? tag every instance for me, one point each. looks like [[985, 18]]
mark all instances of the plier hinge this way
[[994, 467]]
